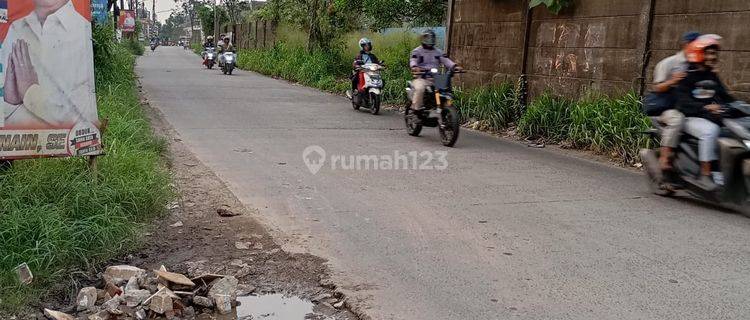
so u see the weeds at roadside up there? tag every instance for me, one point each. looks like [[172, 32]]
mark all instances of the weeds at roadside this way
[[57, 216]]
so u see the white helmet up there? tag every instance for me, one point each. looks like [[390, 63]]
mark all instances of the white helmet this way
[[365, 41]]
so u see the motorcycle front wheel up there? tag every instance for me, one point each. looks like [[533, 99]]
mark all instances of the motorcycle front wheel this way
[[374, 103], [413, 128], [450, 127]]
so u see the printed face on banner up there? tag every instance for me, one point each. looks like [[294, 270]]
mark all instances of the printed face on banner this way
[[127, 21], [48, 104]]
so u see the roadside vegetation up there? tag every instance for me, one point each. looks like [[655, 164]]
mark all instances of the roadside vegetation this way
[[59, 216]]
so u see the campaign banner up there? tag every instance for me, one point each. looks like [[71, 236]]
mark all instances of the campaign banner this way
[[126, 22], [99, 11], [48, 101]]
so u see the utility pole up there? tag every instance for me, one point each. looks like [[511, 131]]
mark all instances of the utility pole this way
[[216, 21]]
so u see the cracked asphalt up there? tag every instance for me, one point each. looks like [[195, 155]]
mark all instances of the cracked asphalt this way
[[504, 232]]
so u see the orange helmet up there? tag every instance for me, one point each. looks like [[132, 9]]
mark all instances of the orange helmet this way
[[695, 51]]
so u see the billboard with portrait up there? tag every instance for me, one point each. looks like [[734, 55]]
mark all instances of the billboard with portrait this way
[[47, 74], [126, 22]]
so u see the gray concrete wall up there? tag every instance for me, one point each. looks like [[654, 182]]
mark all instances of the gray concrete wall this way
[[593, 45]]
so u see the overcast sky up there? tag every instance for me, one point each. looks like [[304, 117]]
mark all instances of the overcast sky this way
[[164, 8]]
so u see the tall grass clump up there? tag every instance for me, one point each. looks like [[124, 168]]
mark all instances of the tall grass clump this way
[[57, 215], [609, 125], [495, 106], [547, 117], [136, 47]]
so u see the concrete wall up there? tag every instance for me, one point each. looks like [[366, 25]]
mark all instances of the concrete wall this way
[[251, 35], [593, 45]]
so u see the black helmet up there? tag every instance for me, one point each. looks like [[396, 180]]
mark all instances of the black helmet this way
[[428, 38]]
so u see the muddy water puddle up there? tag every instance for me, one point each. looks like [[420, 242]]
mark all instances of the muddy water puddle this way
[[274, 307]]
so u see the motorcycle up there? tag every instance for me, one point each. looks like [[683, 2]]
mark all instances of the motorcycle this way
[[734, 163], [370, 88], [209, 57], [228, 64], [438, 112], [153, 47]]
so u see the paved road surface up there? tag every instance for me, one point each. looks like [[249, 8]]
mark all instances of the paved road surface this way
[[505, 232]]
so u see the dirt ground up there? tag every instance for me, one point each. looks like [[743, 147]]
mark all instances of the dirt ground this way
[[194, 239]]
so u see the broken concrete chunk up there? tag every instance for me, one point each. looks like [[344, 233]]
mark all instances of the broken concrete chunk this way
[[223, 303], [206, 278], [242, 245], [113, 305], [161, 302], [203, 302], [132, 285], [101, 315], [118, 275], [140, 314], [135, 297], [225, 211], [57, 315], [86, 299], [174, 278], [225, 286]]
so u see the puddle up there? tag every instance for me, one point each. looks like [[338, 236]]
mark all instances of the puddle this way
[[273, 307]]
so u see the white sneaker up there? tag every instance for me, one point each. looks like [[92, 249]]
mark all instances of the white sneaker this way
[[349, 94], [718, 178]]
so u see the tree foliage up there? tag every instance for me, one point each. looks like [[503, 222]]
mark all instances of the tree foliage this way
[[380, 14], [326, 20], [553, 6]]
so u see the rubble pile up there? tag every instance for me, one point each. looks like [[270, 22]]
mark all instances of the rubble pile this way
[[130, 293]]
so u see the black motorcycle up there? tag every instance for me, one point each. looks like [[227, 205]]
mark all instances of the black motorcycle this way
[[734, 163], [438, 109]]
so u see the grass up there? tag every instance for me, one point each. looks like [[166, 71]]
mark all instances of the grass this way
[[495, 106], [330, 70], [57, 216]]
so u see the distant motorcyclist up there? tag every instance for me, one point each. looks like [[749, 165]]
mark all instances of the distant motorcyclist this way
[[209, 42], [700, 96], [365, 56], [226, 45], [425, 58]]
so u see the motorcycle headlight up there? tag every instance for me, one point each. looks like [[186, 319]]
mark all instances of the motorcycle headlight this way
[[747, 143], [230, 58]]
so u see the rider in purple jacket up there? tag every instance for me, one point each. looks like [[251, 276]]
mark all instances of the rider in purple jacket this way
[[423, 58]]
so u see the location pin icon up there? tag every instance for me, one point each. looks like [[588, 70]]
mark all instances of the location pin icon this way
[[314, 158]]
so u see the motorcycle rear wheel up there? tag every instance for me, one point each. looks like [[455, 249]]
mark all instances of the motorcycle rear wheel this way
[[450, 129]]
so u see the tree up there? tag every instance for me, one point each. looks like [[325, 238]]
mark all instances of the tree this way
[[206, 16]]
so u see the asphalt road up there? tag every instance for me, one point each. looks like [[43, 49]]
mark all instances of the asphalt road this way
[[504, 232]]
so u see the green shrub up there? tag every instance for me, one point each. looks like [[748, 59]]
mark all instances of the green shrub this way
[[547, 117], [57, 215], [136, 47], [496, 106], [609, 125]]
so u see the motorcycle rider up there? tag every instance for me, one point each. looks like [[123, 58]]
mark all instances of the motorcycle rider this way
[[667, 74], [423, 58], [365, 56], [209, 42], [700, 96], [225, 45]]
